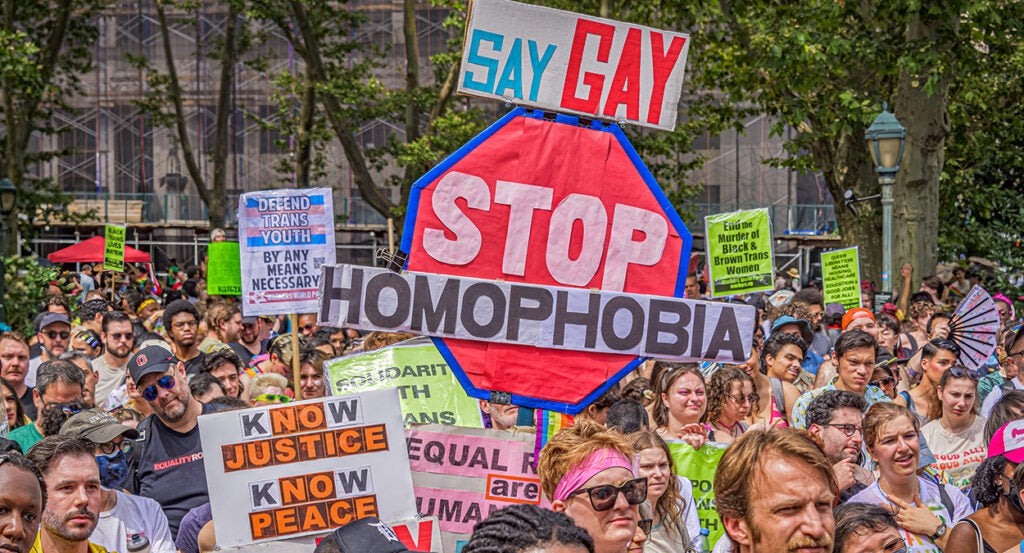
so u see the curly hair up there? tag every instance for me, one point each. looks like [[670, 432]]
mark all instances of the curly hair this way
[[667, 507], [639, 390], [920, 309], [519, 528], [570, 447], [720, 388], [986, 490], [666, 378]]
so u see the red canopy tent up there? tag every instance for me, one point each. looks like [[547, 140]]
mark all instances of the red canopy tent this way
[[91, 251]]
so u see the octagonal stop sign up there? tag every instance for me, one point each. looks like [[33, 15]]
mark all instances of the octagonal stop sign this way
[[546, 201]]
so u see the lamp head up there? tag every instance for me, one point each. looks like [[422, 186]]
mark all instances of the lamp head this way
[[886, 138]]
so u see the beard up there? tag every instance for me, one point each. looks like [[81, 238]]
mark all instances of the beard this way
[[61, 526]]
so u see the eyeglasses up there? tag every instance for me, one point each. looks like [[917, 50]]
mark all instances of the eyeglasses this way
[[272, 398], [123, 335], [848, 429], [884, 381], [53, 334], [960, 372], [603, 497], [110, 447], [183, 324], [752, 398], [896, 545], [166, 382], [645, 524]]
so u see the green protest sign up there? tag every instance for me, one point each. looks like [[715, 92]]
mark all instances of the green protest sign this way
[[224, 270], [113, 250], [739, 247], [698, 466], [428, 389], [840, 277]]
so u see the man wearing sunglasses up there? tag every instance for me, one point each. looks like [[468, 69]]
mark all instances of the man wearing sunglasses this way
[[54, 333], [121, 514], [166, 464], [1014, 348], [118, 339], [59, 384]]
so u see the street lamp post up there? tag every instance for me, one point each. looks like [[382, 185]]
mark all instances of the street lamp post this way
[[886, 138], [8, 196]]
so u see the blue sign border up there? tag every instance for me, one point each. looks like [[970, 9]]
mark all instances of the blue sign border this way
[[666, 206]]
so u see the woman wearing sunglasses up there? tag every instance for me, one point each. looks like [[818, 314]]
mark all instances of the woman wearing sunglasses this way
[[956, 433], [669, 508], [918, 504], [268, 389], [731, 398], [586, 472]]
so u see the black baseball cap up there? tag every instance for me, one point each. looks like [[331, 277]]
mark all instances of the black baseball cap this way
[[366, 535], [149, 360]]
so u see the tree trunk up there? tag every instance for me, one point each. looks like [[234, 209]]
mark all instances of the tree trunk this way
[[926, 118], [217, 205], [304, 145]]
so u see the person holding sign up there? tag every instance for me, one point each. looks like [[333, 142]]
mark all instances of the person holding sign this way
[[670, 499], [586, 471]]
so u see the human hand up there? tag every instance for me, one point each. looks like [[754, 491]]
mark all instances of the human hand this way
[[907, 271], [917, 518], [693, 434], [845, 472]]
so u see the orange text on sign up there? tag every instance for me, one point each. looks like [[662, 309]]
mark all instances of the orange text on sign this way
[[315, 517], [304, 447]]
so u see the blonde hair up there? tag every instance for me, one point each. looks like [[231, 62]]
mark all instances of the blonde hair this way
[[748, 454], [377, 339], [667, 507], [570, 447], [259, 384]]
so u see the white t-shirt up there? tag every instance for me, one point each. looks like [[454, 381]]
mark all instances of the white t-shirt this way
[[991, 399], [33, 368], [108, 379], [917, 543], [689, 506], [133, 515], [957, 454]]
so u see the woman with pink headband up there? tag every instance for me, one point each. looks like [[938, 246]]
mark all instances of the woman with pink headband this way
[[586, 471]]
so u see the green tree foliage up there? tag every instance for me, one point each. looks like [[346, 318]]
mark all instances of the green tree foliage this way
[[27, 282], [45, 48]]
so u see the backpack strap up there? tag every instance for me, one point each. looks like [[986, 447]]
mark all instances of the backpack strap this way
[[779, 396], [144, 427], [947, 502]]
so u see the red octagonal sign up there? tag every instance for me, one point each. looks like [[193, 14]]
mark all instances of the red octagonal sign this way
[[554, 203]]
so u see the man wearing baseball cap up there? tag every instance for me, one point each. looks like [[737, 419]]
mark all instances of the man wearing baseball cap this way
[[860, 318], [166, 463], [1014, 348], [54, 332], [121, 514]]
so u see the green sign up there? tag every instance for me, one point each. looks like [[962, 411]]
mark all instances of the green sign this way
[[224, 270], [113, 250], [428, 389], [739, 246], [698, 466], [840, 277]]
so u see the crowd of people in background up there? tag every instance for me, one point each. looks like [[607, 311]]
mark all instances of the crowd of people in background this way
[[845, 430]]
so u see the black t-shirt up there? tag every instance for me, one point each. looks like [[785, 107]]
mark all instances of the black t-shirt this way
[[28, 404], [169, 469], [193, 365], [242, 352]]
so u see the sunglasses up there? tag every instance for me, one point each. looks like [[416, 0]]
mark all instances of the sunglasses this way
[[166, 382], [884, 381], [960, 372], [604, 497], [123, 335], [645, 524], [70, 411], [53, 334], [752, 398], [272, 398]]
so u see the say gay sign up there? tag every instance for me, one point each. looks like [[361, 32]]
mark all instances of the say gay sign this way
[[562, 61]]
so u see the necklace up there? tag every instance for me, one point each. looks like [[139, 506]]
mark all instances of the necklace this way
[[735, 430]]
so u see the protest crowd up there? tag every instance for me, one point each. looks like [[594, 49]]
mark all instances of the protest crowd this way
[[845, 430]]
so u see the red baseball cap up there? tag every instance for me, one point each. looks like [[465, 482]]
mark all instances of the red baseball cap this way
[[857, 313]]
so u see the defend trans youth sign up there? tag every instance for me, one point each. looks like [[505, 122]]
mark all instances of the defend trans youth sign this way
[[285, 236], [571, 63]]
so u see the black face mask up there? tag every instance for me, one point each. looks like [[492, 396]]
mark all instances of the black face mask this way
[[1014, 498]]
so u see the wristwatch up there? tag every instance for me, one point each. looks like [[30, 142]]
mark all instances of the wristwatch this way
[[941, 531]]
